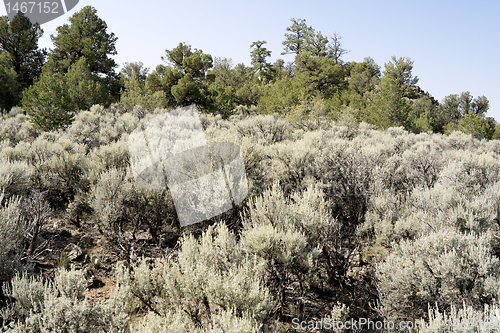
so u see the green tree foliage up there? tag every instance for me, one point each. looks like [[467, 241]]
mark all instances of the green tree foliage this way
[[188, 61], [422, 114], [316, 44], [162, 79], [468, 104], [135, 91], [477, 125], [8, 83], [320, 75], [134, 70], [184, 80], [391, 106], [296, 38], [362, 80], [281, 96], [496, 132], [20, 38], [54, 98], [48, 103], [364, 76], [454, 107], [480, 105], [187, 92], [336, 49], [85, 36], [448, 112], [249, 90], [84, 88], [259, 54], [227, 80], [279, 70], [399, 72]]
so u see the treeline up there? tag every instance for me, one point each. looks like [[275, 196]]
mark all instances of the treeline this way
[[80, 72]]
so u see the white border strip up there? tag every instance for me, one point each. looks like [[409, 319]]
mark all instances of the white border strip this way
[[64, 6]]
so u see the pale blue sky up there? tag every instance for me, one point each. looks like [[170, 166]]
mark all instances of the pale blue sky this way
[[454, 44]]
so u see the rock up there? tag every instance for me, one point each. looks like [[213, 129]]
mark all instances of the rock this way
[[74, 252], [95, 283]]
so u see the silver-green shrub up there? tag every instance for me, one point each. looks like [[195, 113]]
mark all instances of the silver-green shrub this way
[[391, 217], [17, 128], [108, 196], [85, 129], [122, 209], [154, 211], [213, 286], [42, 149], [444, 267], [105, 157], [292, 166], [13, 230], [264, 129], [100, 126], [61, 177], [347, 172], [15, 111], [41, 305], [422, 163], [465, 319], [285, 232], [287, 235], [16, 177], [470, 173]]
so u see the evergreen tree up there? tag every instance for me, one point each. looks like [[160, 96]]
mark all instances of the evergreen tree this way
[[53, 99], [163, 78], [336, 50], [184, 80], [259, 55], [86, 36], [83, 87], [8, 83], [391, 106], [316, 44], [320, 75], [296, 38], [454, 107], [422, 114], [134, 70], [188, 61], [477, 125], [133, 78], [48, 103], [187, 92], [19, 38]]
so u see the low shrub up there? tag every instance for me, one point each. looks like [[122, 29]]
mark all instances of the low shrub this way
[[212, 285], [16, 177], [462, 320], [264, 129], [61, 177], [286, 234], [13, 232], [40, 305], [445, 267]]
